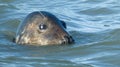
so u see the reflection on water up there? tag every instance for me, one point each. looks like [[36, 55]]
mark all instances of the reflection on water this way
[[94, 24]]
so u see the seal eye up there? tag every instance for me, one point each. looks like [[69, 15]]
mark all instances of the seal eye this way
[[42, 27]]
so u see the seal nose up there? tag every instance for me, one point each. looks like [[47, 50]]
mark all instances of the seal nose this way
[[68, 40]]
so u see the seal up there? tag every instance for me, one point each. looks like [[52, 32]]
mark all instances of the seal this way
[[42, 28]]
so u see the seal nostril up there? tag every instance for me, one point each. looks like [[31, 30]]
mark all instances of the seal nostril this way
[[63, 42], [66, 38], [69, 39]]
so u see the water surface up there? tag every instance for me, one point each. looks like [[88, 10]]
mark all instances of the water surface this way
[[94, 24]]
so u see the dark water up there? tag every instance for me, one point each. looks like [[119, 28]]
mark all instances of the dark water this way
[[94, 24]]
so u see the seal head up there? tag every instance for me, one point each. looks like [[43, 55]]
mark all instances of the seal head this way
[[42, 28]]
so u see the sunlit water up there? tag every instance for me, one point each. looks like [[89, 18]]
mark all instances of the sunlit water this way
[[94, 24]]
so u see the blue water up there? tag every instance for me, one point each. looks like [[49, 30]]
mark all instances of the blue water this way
[[94, 24]]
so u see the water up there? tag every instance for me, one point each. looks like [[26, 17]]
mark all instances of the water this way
[[94, 24]]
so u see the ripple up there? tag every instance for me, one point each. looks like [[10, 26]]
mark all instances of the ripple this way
[[7, 1], [97, 11]]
